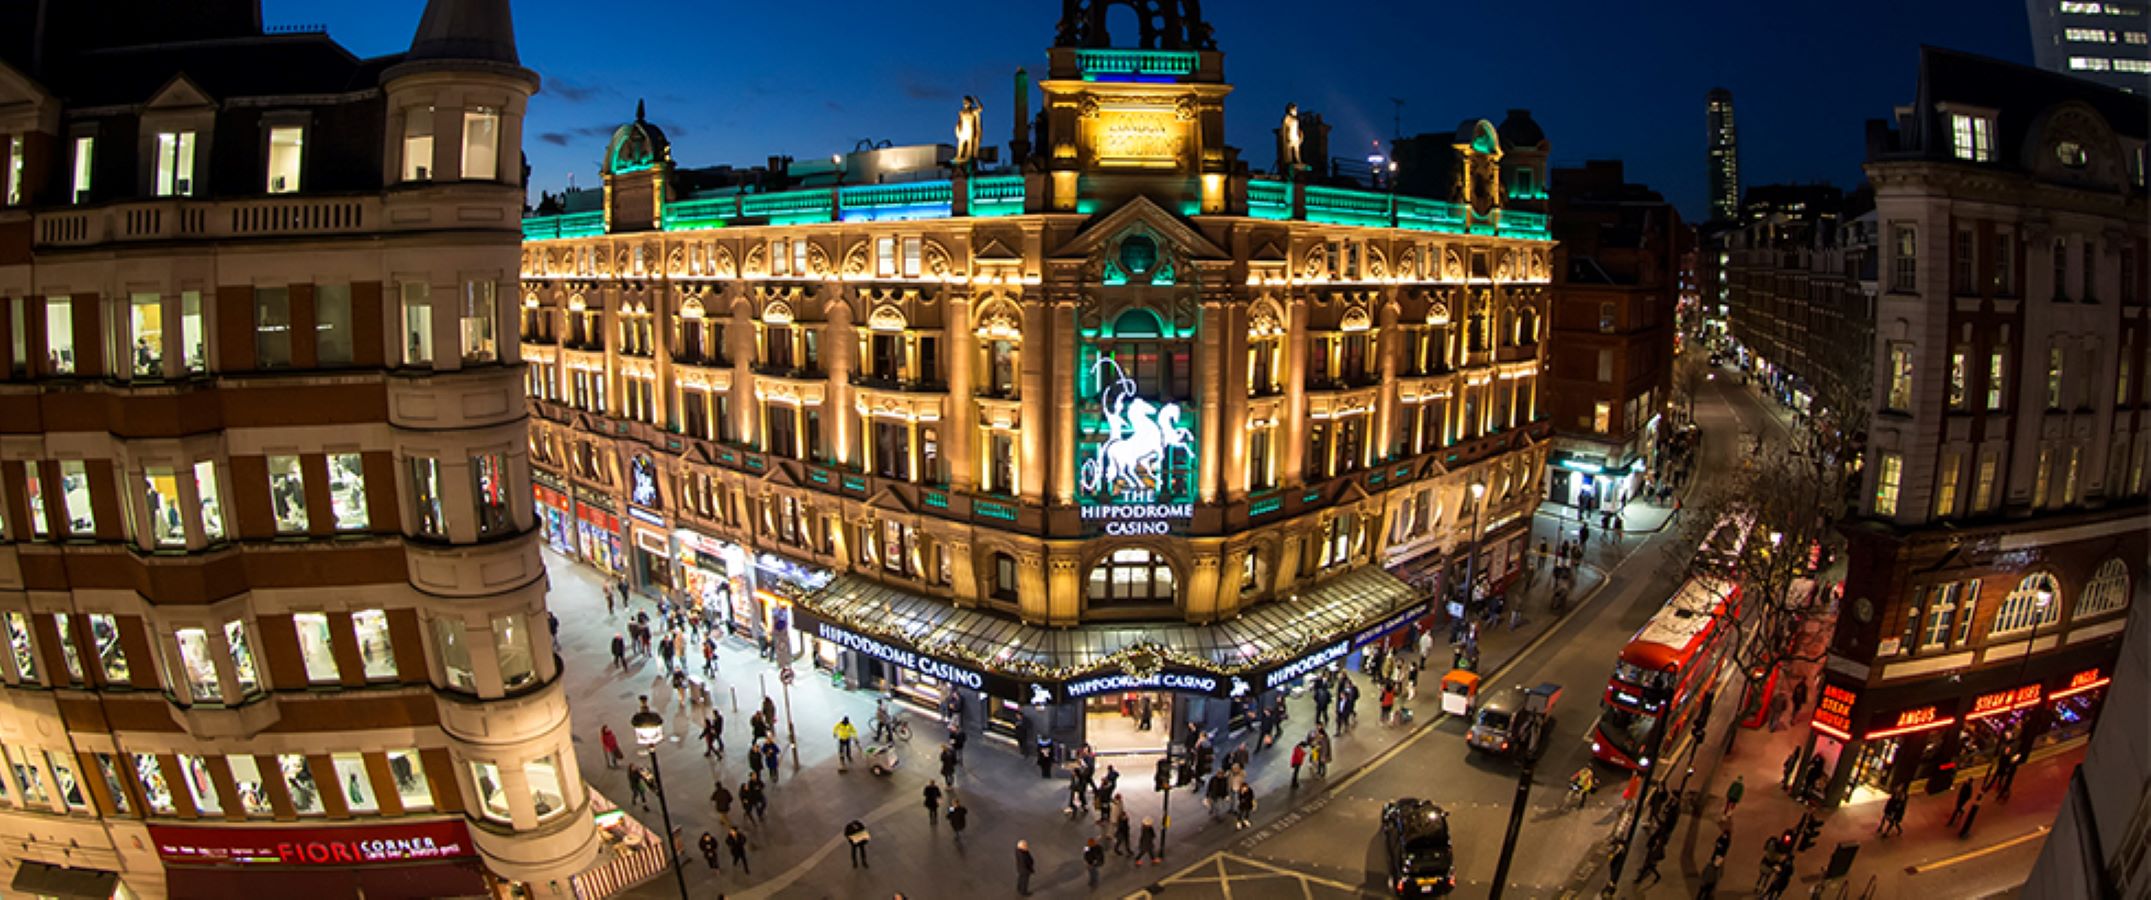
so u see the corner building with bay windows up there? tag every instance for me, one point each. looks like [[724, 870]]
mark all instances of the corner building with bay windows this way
[[270, 579], [1113, 416]]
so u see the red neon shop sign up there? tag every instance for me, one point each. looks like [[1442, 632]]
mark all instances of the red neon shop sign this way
[[1911, 721], [1833, 715], [2087, 680], [357, 845], [1999, 702]]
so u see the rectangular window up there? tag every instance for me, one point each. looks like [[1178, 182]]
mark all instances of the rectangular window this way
[[2043, 477], [1997, 379], [60, 335], [200, 786], [410, 773], [68, 653], [235, 639], [33, 491], [546, 795], [357, 785], [156, 793], [1900, 398], [1945, 494], [29, 780], [299, 783], [1939, 613], [18, 314], [175, 164], [799, 256], [2055, 362], [287, 494], [2005, 268], [418, 144], [914, 254], [425, 475], [193, 354], [376, 651], [14, 170], [1983, 487], [1259, 476], [1959, 364], [63, 778], [315, 647], [111, 657], [18, 639], [75, 491], [207, 494], [145, 320], [246, 776], [1887, 478], [489, 491], [85, 150], [285, 152], [481, 143], [1973, 137], [1602, 417], [417, 324], [272, 328], [1605, 366], [885, 257], [347, 491], [479, 307], [199, 663], [1904, 266], [1961, 263], [2070, 479], [492, 798], [455, 653], [332, 324], [110, 768], [1968, 609]]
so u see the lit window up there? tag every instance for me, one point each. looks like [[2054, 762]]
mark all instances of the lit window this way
[[376, 651], [2107, 592], [546, 795], [418, 144], [347, 491], [1997, 379], [1904, 269], [285, 152], [2024, 609], [481, 144], [425, 477], [316, 647], [1887, 477], [492, 798], [199, 664], [287, 494], [145, 318], [85, 148], [455, 652], [410, 774], [489, 491], [175, 164], [63, 777], [18, 638], [1958, 363], [29, 779], [914, 252], [247, 778], [2055, 363], [1945, 492], [417, 324], [110, 768], [192, 353], [511, 646], [155, 791], [479, 307], [206, 494], [202, 788], [60, 335], [1983, 489], [111, 656], [1974, 137], [356, 784], [242, 654], [75, 492], [2043, 477], [14, 170], [1602, 417], [300, 784], [885, 256], [1900, 398]]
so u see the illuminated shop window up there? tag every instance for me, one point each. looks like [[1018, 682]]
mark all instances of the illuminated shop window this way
[[357, 786], [375, 648], [198, 663], [300, 784], [200, 786], [246, 776], [156, 793], [18, 638], [492, 797], [410, 774]]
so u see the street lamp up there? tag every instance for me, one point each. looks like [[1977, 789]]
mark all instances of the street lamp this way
[[649, 733], [2031, 642]]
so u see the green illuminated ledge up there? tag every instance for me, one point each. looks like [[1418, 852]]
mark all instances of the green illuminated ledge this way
[[1137, 62]]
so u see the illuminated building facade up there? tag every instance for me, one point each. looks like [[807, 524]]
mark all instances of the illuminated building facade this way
[[1124, 415], [271, 581], [1724, 137], [2107, 41]]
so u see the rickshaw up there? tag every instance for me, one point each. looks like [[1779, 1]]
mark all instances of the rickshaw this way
[[1459, 692]]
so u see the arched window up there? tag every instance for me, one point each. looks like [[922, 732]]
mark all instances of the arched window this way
[[1131, 575], [2021, 610], [1136, 323], [2107, 592], [1004, 577]]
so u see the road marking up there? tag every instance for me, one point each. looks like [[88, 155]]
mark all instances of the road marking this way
[[1970, 855]]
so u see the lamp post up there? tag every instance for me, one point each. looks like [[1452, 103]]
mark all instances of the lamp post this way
[[649, 733], [2031, 642]]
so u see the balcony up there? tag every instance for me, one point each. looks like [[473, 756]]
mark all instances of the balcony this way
[[911, 385], [185, 219]]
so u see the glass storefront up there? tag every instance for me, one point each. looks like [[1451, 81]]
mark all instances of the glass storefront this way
[[554, 516], [713, 575], [653, 558], [597, 533]]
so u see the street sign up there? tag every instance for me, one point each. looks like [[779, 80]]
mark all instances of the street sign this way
[[785, 675], [1841, 860]]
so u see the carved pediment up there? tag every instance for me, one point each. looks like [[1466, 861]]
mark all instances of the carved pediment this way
[[1144, 212]]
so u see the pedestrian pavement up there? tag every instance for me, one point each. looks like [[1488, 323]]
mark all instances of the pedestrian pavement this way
[[798, 853]]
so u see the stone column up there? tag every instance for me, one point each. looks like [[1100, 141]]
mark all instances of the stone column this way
[[1038, 322], [1216, 319], [840, 343], [960, 436], [1293, 430], [1385, 402], [1062, 394]]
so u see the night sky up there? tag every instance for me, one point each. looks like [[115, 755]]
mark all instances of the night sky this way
[[735, 82]]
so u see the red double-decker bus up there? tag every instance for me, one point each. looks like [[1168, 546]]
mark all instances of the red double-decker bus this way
[[1665, 670]]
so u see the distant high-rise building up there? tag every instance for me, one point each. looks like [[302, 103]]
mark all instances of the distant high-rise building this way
[[2106, 41], [1724, 157]]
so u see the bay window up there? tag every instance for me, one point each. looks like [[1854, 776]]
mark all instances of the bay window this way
[[410, 774], [167, 527], [18, 639], [247, 778], [242, 656], [425, 476], [111, 657], [201, 788], [511, 647], [455, 652], [156, 792], [197, 663], [206, 494], [492, 796], [417, 324], [75, 491], [547, 795]]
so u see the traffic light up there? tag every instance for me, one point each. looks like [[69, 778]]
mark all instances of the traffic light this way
[[1810, 829]]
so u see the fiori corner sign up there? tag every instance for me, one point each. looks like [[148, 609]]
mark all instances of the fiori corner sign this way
[[348, 846]]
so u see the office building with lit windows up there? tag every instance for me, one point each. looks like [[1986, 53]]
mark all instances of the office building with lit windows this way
[[271, 586], [1997, 541], [1724, 150], [2107, 41], [1117, 417]]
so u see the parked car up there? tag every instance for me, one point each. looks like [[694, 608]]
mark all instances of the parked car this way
[[1416, 833], [1515, 721]]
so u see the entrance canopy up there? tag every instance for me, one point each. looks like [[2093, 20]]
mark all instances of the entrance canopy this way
[[1023, 661]]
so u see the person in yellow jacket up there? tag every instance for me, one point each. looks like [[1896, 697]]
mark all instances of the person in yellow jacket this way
[[845, 733]]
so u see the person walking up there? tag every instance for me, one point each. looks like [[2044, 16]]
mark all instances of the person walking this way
[[932, 794], [1779, 881], [754, 757], [959, 815], [1964, 798], [1217, 796], [611, 743], [1120, 829], [769, 759], [1792, 768], [845, 733], [1025, 867], [1653, 854], [737, 843], [856, 835], [1389, 701], [708, 843], [1093, 859], [1707, 884], [2009, 776], [619, 651], [1733, 793], [1244, 808], [722, 800], [634, 788], [1893, 814], [1321, 702], [713, 735], [1299, 758], [1972, 814], [1146, 844], [753, 799], [948, 765]]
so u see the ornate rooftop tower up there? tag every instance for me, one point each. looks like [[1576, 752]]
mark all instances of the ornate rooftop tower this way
[[1142, 119]]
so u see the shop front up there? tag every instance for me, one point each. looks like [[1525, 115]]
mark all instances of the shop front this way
[[1589, 481], [403, 860], [556, 514], [713, 578], [651, 570], [597, 532]]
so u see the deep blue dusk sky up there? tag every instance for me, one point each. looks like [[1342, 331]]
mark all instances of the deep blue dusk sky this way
[[738, 82]]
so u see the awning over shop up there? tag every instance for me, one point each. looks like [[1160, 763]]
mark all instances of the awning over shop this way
[[39, 879], [462, 878], [1268, 636]]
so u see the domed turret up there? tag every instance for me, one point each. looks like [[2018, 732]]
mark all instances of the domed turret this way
[[636, 146]]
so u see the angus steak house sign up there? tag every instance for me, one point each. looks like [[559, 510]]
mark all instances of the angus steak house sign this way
[[357, 845]]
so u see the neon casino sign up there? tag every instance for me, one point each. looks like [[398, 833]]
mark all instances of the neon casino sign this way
[[1136, 458]]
